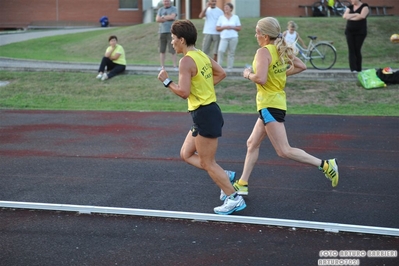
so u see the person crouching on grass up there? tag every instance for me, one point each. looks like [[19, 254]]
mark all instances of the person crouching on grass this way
[[198, 74], [114, 60]]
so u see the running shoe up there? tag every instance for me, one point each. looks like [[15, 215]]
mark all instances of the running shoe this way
[[231, 205], [99, 76], [231, 176], [241, 190], [332, 171], [104, 77]]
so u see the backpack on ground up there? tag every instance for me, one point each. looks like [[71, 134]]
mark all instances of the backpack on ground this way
[[392, 78]]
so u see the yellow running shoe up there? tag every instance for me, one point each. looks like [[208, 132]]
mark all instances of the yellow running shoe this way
[[241, 190], [332, 171]]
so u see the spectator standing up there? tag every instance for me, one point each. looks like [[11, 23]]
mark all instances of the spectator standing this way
[[165, 17], [356, 32], [114, 60], [229, 25], [211, 35]]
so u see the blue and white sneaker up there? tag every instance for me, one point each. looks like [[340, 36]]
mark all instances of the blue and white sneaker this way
[[231, 205], [232, 176]]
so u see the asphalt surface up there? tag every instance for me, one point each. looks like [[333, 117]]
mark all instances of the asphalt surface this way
[[131, 160]]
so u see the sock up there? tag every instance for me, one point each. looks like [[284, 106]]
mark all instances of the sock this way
[[324, 165], [233, 196], [242, 183]]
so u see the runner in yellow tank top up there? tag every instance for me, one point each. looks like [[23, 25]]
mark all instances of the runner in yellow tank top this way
[[272, 94], [202, 90], [197, 76], [269, 75]]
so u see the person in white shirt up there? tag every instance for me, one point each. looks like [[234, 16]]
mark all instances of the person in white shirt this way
[[211, 36], [291, 36], [229, 25]]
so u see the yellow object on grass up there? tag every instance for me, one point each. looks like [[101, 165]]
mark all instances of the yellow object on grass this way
[[369, 79]]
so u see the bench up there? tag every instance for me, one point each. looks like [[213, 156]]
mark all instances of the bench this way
[[379, 9], [306, 9]]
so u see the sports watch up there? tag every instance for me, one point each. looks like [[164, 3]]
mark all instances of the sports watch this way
[[167, 82]]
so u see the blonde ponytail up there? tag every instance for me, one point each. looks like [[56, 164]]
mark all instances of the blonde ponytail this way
[[270, 26]]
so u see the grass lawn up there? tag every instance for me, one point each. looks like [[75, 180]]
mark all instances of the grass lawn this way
[[141, 45], [80, 91]]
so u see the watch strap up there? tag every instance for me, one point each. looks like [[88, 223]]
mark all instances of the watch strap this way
[[167, 82]]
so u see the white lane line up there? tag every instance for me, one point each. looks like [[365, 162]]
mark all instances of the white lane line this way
[[329, 227]]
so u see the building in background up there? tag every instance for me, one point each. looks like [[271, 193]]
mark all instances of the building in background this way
[[277, 8], [64, 13]]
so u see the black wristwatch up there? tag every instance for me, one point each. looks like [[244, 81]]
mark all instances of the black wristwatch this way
[[167, 82]]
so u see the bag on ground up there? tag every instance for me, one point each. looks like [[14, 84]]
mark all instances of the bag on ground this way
[[369, 79]]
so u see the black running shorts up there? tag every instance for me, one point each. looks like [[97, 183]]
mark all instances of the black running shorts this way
[[207, 121], [272, 115]]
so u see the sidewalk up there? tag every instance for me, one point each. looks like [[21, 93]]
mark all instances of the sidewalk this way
[[20, 36], [32, 65]]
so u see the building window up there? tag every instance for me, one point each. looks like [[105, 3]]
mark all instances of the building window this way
[[128, 4]]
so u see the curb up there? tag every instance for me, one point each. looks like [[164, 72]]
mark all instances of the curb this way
[[33, 65]]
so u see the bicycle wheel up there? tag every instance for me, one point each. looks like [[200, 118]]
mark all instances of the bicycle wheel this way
[[323, 56], [340, 7], [319, 9], [344, 3]]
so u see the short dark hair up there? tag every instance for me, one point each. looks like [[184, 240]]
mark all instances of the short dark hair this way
[[185, 29], [230, 5], [112, 37]]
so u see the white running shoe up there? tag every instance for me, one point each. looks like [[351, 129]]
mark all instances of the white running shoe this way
[[104, 77], [231, 176], [231, 205], [99, 76]]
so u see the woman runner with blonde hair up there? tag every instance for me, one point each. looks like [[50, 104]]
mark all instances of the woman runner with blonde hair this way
[[273, 62]]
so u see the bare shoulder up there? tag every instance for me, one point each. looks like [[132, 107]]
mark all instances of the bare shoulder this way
[[263, 51], [186, 61], [187, 64]]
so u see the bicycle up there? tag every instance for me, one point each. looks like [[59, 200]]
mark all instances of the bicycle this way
[[326, 7], [322, 55]]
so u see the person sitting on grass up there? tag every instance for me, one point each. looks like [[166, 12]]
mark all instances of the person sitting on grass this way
[[114, 60]]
